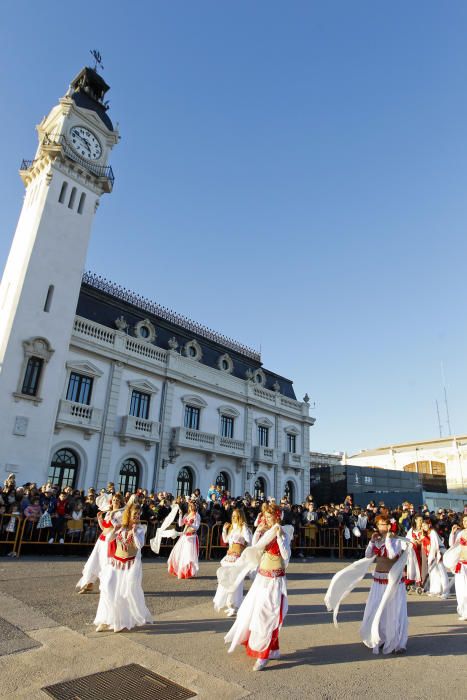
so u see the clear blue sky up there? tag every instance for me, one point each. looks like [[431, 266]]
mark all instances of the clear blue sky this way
[[293, 174]]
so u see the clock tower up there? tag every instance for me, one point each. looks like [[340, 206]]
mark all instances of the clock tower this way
[[42, 277]]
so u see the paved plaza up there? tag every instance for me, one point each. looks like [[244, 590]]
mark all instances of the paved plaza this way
[[46, 636]]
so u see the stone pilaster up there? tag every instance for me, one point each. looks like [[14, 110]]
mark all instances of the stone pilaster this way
[[104, 467]]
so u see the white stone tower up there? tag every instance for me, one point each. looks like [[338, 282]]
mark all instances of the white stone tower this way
[[42, 277]]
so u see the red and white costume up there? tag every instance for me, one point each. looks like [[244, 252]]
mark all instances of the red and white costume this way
[[183, 559], [98, 558], [121, 601], [432, 547], [264, 608], [385, 619], [414, 559], [237, 538], [458, 548]]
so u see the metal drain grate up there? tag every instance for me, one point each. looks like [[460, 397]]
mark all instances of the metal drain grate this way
[[132, 682]]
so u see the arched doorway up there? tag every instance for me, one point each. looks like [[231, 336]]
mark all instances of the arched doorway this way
[[185, 482], [129, 476], [63, 469], [260, 488], [223, 481], [289, 491]]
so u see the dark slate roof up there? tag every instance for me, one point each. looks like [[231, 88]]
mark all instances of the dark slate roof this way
[[89, 89], [103, 302]]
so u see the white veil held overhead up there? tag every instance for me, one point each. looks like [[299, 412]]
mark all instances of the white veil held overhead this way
[[165, 531]]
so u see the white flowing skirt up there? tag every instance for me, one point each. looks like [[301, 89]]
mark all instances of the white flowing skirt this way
[[95, 564], [393, 627], [183, 560], [439, 582], [461, 591], [260, 615], [121, 601], [223, 599]]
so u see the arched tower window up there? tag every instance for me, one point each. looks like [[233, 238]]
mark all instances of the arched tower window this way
[[129, 476], [48, 298], [82, 200], [63, 469], [223, 481], [185, 482], [62, 196], [289, 491], [260, 488], [71, 201]]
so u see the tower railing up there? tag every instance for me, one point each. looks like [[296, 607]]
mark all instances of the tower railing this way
[[59, 140]]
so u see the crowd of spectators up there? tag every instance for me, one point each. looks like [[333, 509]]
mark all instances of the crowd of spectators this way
[[71, 513]]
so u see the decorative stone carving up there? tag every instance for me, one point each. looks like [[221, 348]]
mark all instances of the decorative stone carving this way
[[145, 330], [121, 323], [276, 386], [306, 399], [173, 343], [225, 363], [193, 350], [249, 374]]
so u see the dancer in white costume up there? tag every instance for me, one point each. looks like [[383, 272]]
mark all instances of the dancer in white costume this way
[[237, 536], [111, 509], [432, 557], [121, 602], [385, 623], [456, 560], [261, 615], [415, 574], [183, 559]]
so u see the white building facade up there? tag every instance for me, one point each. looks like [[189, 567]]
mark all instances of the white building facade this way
[[98, 384]]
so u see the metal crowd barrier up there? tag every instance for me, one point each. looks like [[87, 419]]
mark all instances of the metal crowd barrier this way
[[10, 528], [308, 539]]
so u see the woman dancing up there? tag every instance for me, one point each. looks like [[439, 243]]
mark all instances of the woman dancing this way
[[111, 509], [414, 560], [262, 613], [183, 559], [121, 602], [237, 536], [456, 560], [432, 549], [385, 622]]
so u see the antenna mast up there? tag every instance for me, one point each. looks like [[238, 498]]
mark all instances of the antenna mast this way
[[439, 419], [446, 398]]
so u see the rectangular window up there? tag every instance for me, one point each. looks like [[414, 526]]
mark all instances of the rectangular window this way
[[227, 426], [139, 405], [263, 436], [192, 417], [79, 388], [291, 443], [32, 376]]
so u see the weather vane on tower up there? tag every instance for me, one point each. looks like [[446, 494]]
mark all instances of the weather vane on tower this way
[[97, 58]]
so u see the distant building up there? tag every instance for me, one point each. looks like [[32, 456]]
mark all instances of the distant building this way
[[440, 464]]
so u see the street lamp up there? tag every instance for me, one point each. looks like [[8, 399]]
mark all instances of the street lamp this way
[[255, 467]]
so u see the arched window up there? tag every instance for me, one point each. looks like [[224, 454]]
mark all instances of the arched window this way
[[82, 200], [260, 488], [63, 468], [185, 482], [129, 476], [223, 481], [289, 491], [71, 201], [62, 196]]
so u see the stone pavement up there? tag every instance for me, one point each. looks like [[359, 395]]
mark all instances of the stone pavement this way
[[46, 636]]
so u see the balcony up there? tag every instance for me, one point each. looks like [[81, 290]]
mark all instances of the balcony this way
[[134, 428], [207, 442], [78, 415], [267, 455], [292, 460]]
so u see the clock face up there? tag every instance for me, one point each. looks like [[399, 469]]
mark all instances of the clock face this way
[[85, 143]]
